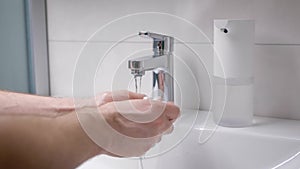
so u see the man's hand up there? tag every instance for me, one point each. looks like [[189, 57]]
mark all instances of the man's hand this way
[[130, 124], [44, 132], [138, 123]]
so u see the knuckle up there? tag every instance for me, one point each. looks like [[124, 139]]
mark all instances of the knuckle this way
[[177, 111], [158, 122], [107, 96], [158, 126]]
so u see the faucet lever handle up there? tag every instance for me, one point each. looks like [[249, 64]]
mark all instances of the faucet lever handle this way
[[161, 42], [155, 36]]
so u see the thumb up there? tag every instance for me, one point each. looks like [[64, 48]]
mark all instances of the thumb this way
[[140, 110], [120, 96]]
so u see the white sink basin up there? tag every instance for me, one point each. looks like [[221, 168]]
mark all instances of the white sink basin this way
[[198, 143]]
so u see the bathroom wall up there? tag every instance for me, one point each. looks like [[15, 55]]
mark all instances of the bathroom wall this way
[[277, 49]]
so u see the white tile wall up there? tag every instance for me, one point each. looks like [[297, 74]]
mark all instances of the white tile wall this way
[[277, 62], [62, 63], [277, 81], [97, 69], [277, 21]]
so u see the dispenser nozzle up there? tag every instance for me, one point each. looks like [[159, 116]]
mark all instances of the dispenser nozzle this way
[[225, 30]]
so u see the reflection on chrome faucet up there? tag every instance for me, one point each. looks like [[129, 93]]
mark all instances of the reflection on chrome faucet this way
[[160, 63]]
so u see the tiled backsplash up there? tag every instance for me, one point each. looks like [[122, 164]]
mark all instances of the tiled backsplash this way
[[277, 50]]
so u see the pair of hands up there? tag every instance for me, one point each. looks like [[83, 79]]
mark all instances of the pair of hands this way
[[128, 125], [57, 134]]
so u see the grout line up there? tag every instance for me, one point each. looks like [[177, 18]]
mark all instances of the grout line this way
[[145, 42], [277, 44], [104, 41]]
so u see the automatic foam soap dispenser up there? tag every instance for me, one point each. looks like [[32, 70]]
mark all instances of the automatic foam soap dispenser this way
[[233, 72]]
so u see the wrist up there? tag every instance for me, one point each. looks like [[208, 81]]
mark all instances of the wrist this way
[[64, 105], [73, 143], [67, 105]]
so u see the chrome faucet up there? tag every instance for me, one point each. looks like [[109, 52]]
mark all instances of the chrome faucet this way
[[160, 63]]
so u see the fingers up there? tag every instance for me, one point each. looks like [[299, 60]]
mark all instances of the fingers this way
[[133, 95], [144, 118], [121, 95], [172, 111], [170, 114], [158, 139], [169, 130], [146, 111]]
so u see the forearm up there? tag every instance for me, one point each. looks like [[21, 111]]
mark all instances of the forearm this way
[[26, 140], [44, 142], [25, 104], [76, 147], [42, 132], [29, 140]]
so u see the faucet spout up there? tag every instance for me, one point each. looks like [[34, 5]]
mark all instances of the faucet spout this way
[[160, 63], [147, 63]]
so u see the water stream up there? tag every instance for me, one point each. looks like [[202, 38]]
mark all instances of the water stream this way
[[138, 86], [138, 83]]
